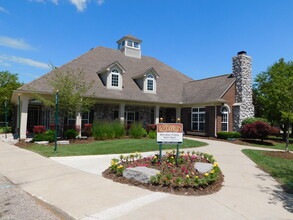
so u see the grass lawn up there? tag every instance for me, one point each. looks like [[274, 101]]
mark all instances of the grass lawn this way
[[109, 147], [280, 169], [272, 143]]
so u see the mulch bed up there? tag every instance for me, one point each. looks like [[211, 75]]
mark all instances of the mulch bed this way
[[212, 188], [280, 154]]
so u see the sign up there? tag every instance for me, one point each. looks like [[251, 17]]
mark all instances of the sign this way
[[169, 133]]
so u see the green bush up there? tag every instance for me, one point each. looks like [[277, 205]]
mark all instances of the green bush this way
[[70, 134], [226, 135], [103, 130], [2, 130], [44, 137], [152, 134], [51, 132], [137, 131], [252, 120], [119, 129]]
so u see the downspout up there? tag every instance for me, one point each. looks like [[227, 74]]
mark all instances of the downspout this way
[[215, 121]]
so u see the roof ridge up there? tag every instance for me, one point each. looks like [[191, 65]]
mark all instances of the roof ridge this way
[[196, 80]]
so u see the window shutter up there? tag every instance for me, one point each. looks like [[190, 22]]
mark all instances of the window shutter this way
[[116, 115], [136, 116], [92, 115]]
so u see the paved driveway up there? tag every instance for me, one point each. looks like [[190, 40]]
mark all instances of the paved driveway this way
[[75, 185]]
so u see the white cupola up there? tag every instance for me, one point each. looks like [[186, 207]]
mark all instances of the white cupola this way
[[130, 46]]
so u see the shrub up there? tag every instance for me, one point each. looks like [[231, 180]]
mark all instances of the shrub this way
[[252, 120], [70, 134], [151, 127], [258, 129], [3, 130], [71, 127], [44, 137], [152, 134], [275, 131], [137, 131], [226, 135], [119, 129], [88, 129], [39, 129], [51, 132], [52, 126], [103, 130]]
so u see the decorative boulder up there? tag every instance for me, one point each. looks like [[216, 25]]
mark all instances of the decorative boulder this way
[[203, 167], [141, 174]]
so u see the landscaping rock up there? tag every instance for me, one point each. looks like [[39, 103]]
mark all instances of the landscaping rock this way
[[28, 140], [62, 142], [203, 167], [83, 137], [141, 174], [42, 142]]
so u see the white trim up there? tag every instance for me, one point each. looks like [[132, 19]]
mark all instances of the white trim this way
[[198, 118], [227, 115]]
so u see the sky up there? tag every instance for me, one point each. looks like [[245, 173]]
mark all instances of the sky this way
[[196, 37]]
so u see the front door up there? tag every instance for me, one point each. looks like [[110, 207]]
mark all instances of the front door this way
[[33, 117]]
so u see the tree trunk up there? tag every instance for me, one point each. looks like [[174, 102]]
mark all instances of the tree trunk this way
[[287, 141]]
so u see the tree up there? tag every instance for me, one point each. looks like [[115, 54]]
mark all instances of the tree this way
[[74, 92], [8, 83], [275, 93]]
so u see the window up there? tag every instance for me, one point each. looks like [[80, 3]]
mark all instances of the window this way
[[129, 43], [135, 44], [71, 119], [198, 119], [115, 78], [150, 82], [129, 117], [85, 118], [224, 122]]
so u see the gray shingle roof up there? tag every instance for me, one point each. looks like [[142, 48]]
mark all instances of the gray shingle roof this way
[[206, 90], [173, 87]]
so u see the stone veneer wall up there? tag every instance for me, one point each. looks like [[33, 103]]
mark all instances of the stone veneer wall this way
[[242, 70], [104, 111]]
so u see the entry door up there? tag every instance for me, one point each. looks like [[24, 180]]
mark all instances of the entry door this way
[[33, 117], [129, 117]]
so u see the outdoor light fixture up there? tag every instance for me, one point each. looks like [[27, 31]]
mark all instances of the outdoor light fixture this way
[[161, 119], [178, 120]]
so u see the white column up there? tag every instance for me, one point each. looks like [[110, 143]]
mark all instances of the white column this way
[[178, 114], [121, 112], [157, 114], [23, 116], [78, 122]]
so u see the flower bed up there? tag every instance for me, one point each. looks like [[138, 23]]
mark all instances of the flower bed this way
[[180, 178]]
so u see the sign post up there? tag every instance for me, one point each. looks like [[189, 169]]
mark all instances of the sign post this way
[[6, 124], [170, 133]]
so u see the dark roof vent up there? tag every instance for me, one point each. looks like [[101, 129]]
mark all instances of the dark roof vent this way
[[241, 52]]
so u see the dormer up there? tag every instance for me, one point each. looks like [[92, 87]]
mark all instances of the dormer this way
[[147, 80], [111, 76], [130, 46]]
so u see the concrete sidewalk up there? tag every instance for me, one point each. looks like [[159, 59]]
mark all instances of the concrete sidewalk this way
[[81, 192]]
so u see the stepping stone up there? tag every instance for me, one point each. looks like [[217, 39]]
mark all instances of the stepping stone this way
[[203, 167], [42, 142], [141, 174], [83, 137], [62, 142]]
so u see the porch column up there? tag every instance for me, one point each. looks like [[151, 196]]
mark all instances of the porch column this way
[[78, 122], [23, 116], [121, 112], [178, 114], [157, 114]]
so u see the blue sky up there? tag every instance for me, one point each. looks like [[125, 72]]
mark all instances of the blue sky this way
[[196, 37]]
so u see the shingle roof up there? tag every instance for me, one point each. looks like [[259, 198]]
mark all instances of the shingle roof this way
[[169, 84], [173, 87], [206, 90]]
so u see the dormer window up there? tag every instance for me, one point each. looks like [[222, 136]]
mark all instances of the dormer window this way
[[115, 78], [150, 82]]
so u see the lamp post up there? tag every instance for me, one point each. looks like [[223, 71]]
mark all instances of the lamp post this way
[[56, 119], [18, 130], [5, 105]]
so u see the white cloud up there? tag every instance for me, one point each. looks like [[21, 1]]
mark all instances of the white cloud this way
[[15, 43], [4, 10], [25, 61], [100, 2], [54, 1], [79, 4], [3, 63], [31, 75]]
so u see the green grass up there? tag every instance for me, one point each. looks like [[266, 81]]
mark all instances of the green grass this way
[[278, 146], [109, 147], [280, 169]]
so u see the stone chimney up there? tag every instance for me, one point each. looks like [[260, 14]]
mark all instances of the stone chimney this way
[[242, 70]]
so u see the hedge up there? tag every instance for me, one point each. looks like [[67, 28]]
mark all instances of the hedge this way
[[226, 135]]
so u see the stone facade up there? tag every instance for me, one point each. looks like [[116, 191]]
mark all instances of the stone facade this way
[[242, 70]]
